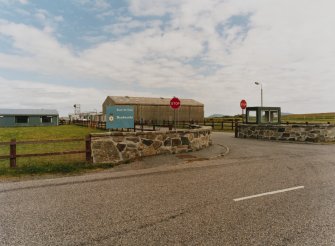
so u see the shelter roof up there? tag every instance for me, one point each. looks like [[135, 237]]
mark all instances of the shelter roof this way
[[28, 112]]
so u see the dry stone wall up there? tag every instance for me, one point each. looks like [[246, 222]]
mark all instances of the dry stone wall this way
[[301, 133], [120, 147]]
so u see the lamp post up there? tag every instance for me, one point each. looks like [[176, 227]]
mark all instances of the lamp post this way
[[258, 83]]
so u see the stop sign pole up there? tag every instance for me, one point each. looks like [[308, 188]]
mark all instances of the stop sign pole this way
[[243, 105], [175, 104]]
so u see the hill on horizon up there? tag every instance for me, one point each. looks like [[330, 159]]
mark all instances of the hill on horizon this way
[[218, 116]]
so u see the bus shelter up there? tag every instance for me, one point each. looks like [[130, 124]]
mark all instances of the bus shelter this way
[[263, 115]]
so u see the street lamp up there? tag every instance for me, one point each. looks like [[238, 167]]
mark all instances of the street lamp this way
[[257, 83]]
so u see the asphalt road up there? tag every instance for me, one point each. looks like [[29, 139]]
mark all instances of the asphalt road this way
[[186, 204]]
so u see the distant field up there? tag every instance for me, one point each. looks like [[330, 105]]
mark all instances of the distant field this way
[[292, 118], [47, 164], [44, 133], [310, 118]]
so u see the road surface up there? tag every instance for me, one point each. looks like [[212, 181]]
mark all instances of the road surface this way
[[261, 193]]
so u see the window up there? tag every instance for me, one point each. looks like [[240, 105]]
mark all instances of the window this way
[[252, 116], [274, 116], [21, 119], [265, 116], [269, 116], [46, 119]]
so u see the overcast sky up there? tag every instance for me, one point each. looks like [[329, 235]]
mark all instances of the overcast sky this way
[[54, 54]]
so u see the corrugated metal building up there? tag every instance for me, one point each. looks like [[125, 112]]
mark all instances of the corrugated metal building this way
[[158, 109], [28, 117]]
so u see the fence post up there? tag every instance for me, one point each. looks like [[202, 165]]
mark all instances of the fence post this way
[[213, 124], [221, 125], [13, 153], [236, 129], [232, 124], [88, 149]]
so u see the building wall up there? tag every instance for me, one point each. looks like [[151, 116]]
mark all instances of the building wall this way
[[163, 112], [107, 102], [9, 121]]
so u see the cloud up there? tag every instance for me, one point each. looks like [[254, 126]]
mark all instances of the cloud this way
[[212, 51], [126, 25], [47, 20], [31, 94], [25, 39], [153, 7], [96, 5], [41, 15], [10, 2], [102, 4], [59, 18]]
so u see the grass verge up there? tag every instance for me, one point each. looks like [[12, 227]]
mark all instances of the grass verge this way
[[64, 164], [51, 168]]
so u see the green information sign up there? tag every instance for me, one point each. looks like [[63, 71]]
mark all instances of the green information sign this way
[[119, 117]]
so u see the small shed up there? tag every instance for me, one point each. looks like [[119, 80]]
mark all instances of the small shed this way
[[263, 115], [28, 117], [158, 109]]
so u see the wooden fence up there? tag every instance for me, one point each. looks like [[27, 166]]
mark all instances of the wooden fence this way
[[13, 155], [222, 124], [217, 124]]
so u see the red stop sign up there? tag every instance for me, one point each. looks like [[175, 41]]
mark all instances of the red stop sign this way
[[175, 103], [243, 104]]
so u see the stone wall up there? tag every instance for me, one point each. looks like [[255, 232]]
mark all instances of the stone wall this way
[[301, 133], [120, 147]]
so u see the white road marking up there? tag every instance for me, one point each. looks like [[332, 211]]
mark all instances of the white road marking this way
[[268, 193]]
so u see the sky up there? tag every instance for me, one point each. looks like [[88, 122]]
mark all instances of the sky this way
[[54, 54]]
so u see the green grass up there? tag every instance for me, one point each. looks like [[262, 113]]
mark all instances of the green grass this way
[[44, 133], [46, 164], [51, 168], [310, 118], [317, 118]]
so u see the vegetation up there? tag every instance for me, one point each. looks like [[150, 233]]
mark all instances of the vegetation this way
[[46, 164], [310, 118], [316, 118], [44, 133]]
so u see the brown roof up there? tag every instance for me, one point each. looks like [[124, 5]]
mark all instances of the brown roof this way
[[152, 101]]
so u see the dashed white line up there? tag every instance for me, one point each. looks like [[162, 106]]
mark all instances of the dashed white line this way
[[268, 193]]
